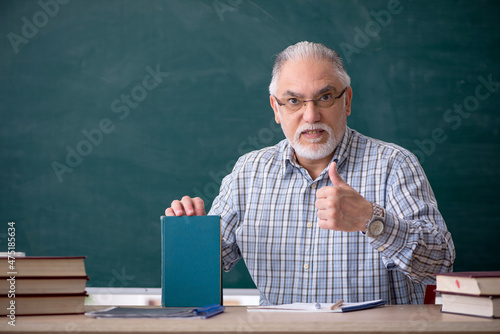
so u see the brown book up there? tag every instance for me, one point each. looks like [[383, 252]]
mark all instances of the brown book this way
[[482, 306], [43, 266], [43, 285], [477, 283], [42, 304]]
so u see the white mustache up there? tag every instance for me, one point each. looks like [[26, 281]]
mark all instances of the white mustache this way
[[312, 127]]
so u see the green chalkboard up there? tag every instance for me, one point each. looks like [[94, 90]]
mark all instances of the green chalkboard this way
[[112, 109]]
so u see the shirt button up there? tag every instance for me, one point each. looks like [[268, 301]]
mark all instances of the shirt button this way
[[306, 266], [309, 224], [381, 249], [314, 186]]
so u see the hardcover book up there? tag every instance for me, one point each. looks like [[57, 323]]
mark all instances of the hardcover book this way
[[42, 304], [44, 285], [191, 261], [44, 266], [478, 283], [482, 306]]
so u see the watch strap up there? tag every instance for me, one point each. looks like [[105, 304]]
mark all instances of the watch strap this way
[[378, 214], [378, 211]]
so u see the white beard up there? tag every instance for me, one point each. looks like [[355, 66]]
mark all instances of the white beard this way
[[315, 151]]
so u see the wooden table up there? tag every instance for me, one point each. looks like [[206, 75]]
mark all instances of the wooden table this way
[[236, 319]]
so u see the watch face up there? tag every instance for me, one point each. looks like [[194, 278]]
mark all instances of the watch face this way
[[376, 227]]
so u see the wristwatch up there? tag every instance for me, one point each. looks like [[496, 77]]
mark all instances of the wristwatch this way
[[376, 224]]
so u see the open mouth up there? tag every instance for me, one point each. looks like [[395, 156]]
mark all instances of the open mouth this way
[[313, 133]]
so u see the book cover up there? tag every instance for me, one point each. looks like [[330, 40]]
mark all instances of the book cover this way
[[482, 306], [477, 283], [156, 312], [191, 261]]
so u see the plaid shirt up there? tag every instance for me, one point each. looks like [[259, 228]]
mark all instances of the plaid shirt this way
[[268, 217]]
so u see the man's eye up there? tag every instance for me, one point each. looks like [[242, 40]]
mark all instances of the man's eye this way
[[293, 101], [326, 97]]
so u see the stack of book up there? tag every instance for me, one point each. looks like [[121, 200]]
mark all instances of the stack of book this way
[[42, 285], [470, 293]]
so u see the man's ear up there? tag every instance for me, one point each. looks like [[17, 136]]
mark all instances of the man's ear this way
[[348, 99], [274, 105]]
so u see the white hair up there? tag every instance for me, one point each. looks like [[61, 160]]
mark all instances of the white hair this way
[[305, 50]]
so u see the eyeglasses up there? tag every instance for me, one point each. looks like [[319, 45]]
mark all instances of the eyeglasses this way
[[324, 101]]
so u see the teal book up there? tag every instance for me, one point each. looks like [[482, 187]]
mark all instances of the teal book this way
[[191, 261]]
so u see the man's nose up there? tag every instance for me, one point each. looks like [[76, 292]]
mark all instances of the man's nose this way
[[311, 112]]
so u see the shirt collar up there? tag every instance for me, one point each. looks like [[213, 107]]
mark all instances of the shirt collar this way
[[341, 152], [289, 160]]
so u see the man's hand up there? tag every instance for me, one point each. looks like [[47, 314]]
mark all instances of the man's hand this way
[[187, 206], [340, 207]]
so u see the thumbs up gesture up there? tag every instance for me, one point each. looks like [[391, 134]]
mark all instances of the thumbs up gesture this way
[[340, 207]]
